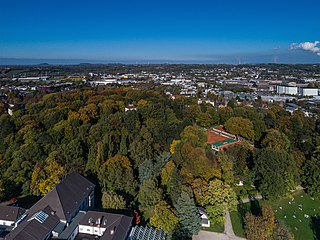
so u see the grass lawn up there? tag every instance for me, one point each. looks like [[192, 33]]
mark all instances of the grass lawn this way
[[214, 228], [237, 224], [299, 214]]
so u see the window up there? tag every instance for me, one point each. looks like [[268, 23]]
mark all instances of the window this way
[[88, 230]]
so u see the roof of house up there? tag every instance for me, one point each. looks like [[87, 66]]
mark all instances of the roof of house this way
[[37, 227], [117, 225], [66, 196], [66, 233], [10, 213]]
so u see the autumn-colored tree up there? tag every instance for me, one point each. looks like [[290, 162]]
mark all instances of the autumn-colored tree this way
[[200, 188], [164, 217], [281, 232], [45, 177], [260, 227], [173, 145], [195, 161], [88, 113]]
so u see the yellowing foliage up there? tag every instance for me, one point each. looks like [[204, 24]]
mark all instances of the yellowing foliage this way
[[173, 145], [142, 102], [45, 178]]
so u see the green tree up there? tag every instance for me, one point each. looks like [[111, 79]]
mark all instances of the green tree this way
[[164, 217], [240, 126], [116, 174], [226, 164], [73, 156], [219, 197], [275, 172], [311, 176], [113, 201], [188, 214], [276, 139], [149, 195], [195, 135]]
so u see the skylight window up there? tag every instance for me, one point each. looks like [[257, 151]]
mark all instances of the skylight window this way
[[40, 216]]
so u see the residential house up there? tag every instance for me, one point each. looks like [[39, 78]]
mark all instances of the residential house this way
[[63, 214], [10, 215], [108, 226], [56, 209]]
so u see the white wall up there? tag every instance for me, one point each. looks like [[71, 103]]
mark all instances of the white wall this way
[[6, 223], [287, 90], [309, 92], [92, 230]]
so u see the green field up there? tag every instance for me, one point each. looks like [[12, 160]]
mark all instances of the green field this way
[[237, 224], [301, 225], [298, 213]]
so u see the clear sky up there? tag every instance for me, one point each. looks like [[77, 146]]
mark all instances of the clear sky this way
[[213, 31]]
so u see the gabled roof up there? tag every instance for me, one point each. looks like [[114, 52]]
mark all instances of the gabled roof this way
[[33, 229], [10, 213], [117, 226], [65, 197]]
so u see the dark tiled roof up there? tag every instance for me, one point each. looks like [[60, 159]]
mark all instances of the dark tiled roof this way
[[32, 229], [10, 213], [73, 225], [120, 224], [66, 197]]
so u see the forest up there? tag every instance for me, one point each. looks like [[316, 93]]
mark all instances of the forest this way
[[154, 158]]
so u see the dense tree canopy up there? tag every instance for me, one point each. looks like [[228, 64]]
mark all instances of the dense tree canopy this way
[[126, 153]]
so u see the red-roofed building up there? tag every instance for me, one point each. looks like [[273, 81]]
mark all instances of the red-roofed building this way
[[219, 139]]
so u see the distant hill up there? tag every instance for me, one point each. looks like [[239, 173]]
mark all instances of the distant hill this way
[[84, 64]]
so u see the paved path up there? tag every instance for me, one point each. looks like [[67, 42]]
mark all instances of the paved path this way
[[227, 235]]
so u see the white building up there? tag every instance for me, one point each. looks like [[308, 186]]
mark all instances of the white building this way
[[287, 90], [9, 215], [308, 92]]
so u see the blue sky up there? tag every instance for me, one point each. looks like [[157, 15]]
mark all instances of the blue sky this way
[[217, 31]]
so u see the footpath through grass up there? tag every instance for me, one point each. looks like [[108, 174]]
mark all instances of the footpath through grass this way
[[300, 214]]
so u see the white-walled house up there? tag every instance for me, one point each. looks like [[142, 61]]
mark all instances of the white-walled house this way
[[205, 222], [9, 215], [63, 214]]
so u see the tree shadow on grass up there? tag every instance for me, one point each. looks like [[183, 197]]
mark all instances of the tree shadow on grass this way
[[252, 207], [315, 226]]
